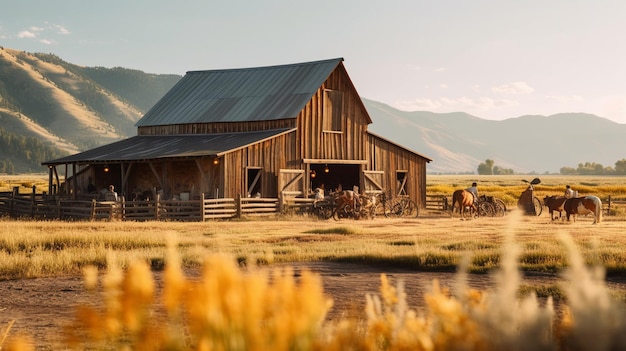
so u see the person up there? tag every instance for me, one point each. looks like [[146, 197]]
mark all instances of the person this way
[[569, 193], [474, 190], [91, 188], [110, 195]]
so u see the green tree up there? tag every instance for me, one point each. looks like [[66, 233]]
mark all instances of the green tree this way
[[567, 170], [620, 167], [499, 170], [486, 167]]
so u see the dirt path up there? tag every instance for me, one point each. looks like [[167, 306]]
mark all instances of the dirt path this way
[[42, 306]]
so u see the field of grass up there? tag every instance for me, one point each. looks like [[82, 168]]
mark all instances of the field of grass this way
[[225, 308], [44, 248]]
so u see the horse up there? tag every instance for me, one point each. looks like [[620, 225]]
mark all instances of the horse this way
[[554, 204], [584, 205], [465, 199]]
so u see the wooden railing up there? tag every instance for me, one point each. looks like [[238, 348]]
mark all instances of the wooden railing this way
[[437, 202], [611, 204], [37, 206]]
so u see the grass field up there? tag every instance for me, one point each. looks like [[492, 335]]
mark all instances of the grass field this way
[[225, 308], [430, 242]]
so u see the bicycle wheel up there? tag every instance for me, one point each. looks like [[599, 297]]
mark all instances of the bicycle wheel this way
[[388, 208], [375, 210], [410, 209], [485, 209], [538, 206], [499, 207], [397, 210]]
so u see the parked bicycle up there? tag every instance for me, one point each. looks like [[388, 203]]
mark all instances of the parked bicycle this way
[[400, 206], [489, 206]]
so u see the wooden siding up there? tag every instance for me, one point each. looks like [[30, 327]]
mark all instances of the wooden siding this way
[[211, 128], [270, 156], [314, 142], [388, 157]]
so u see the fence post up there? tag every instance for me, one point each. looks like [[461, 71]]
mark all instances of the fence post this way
[[93, 209], [238, 203], [157, 204], [202, 203], [32, 202], [608, 210], [122, 208]]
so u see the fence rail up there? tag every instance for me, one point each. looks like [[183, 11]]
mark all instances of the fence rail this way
[[437, 202], [611, 204], [18, 205]]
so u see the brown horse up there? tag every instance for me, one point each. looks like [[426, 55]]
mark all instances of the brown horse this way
[[465, 199], [554, 204], [584, 205]]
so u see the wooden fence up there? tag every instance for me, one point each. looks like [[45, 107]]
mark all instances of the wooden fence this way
[[41, 206], [437, 202], [611, 204]]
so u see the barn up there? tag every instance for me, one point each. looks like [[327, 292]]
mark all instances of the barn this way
[[251, 132]]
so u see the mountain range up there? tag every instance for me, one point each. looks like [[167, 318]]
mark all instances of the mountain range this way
[[66, 108]]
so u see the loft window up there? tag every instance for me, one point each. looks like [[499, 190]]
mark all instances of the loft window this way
[[333, 101]]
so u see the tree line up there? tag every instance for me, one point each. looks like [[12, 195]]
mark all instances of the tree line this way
[[588, 168], [21, 154]]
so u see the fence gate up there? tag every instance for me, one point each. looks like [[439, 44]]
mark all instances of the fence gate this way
[[373, 182], [291, 182]]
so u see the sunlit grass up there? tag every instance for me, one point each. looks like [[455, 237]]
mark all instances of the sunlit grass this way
[[230, 307]]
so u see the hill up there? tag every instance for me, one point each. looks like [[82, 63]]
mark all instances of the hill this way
[[52, 107], [69, 108], [459, 142]]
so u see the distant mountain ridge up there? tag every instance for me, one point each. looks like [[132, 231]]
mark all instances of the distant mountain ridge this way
[[60, 107], [459, 142]]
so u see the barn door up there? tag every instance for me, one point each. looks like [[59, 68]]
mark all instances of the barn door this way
[[373, 182], [291, 182]]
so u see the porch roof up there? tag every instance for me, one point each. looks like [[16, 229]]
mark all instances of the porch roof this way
[[152, 147]]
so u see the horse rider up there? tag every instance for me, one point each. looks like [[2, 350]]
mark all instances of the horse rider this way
[[474, 190]]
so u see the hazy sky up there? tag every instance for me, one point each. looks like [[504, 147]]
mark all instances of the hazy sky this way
[[494, 59]]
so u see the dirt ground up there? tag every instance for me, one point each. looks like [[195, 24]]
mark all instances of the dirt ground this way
[[41, 307]]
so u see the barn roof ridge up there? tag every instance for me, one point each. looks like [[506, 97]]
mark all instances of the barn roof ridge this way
[[240, 95], [337, 59]]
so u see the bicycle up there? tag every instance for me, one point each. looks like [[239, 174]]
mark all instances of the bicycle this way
[[491, 206], [396, 207], [528, 201]]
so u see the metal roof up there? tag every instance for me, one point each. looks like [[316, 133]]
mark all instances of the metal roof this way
[[151, 147], [240, 95]]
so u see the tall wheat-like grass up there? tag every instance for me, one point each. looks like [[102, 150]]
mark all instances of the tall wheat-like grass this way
[[233, 308]]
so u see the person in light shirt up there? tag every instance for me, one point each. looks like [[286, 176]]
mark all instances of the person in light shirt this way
[[569, 193], [474, 190]]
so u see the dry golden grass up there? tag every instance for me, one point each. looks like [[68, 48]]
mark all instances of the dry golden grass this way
[[435, 242], [228, 308]]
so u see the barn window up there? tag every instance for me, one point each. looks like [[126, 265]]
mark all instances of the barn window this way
[[401, 183], [253, 181], [333, 100]]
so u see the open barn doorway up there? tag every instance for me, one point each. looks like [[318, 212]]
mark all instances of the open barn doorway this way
[[334, 176]]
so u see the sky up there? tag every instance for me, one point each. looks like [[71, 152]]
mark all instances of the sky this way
[[494, 59]]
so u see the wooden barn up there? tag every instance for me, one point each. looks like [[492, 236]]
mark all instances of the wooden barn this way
[[251, 132]]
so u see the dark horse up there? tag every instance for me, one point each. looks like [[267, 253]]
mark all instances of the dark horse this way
[[465, 199]]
